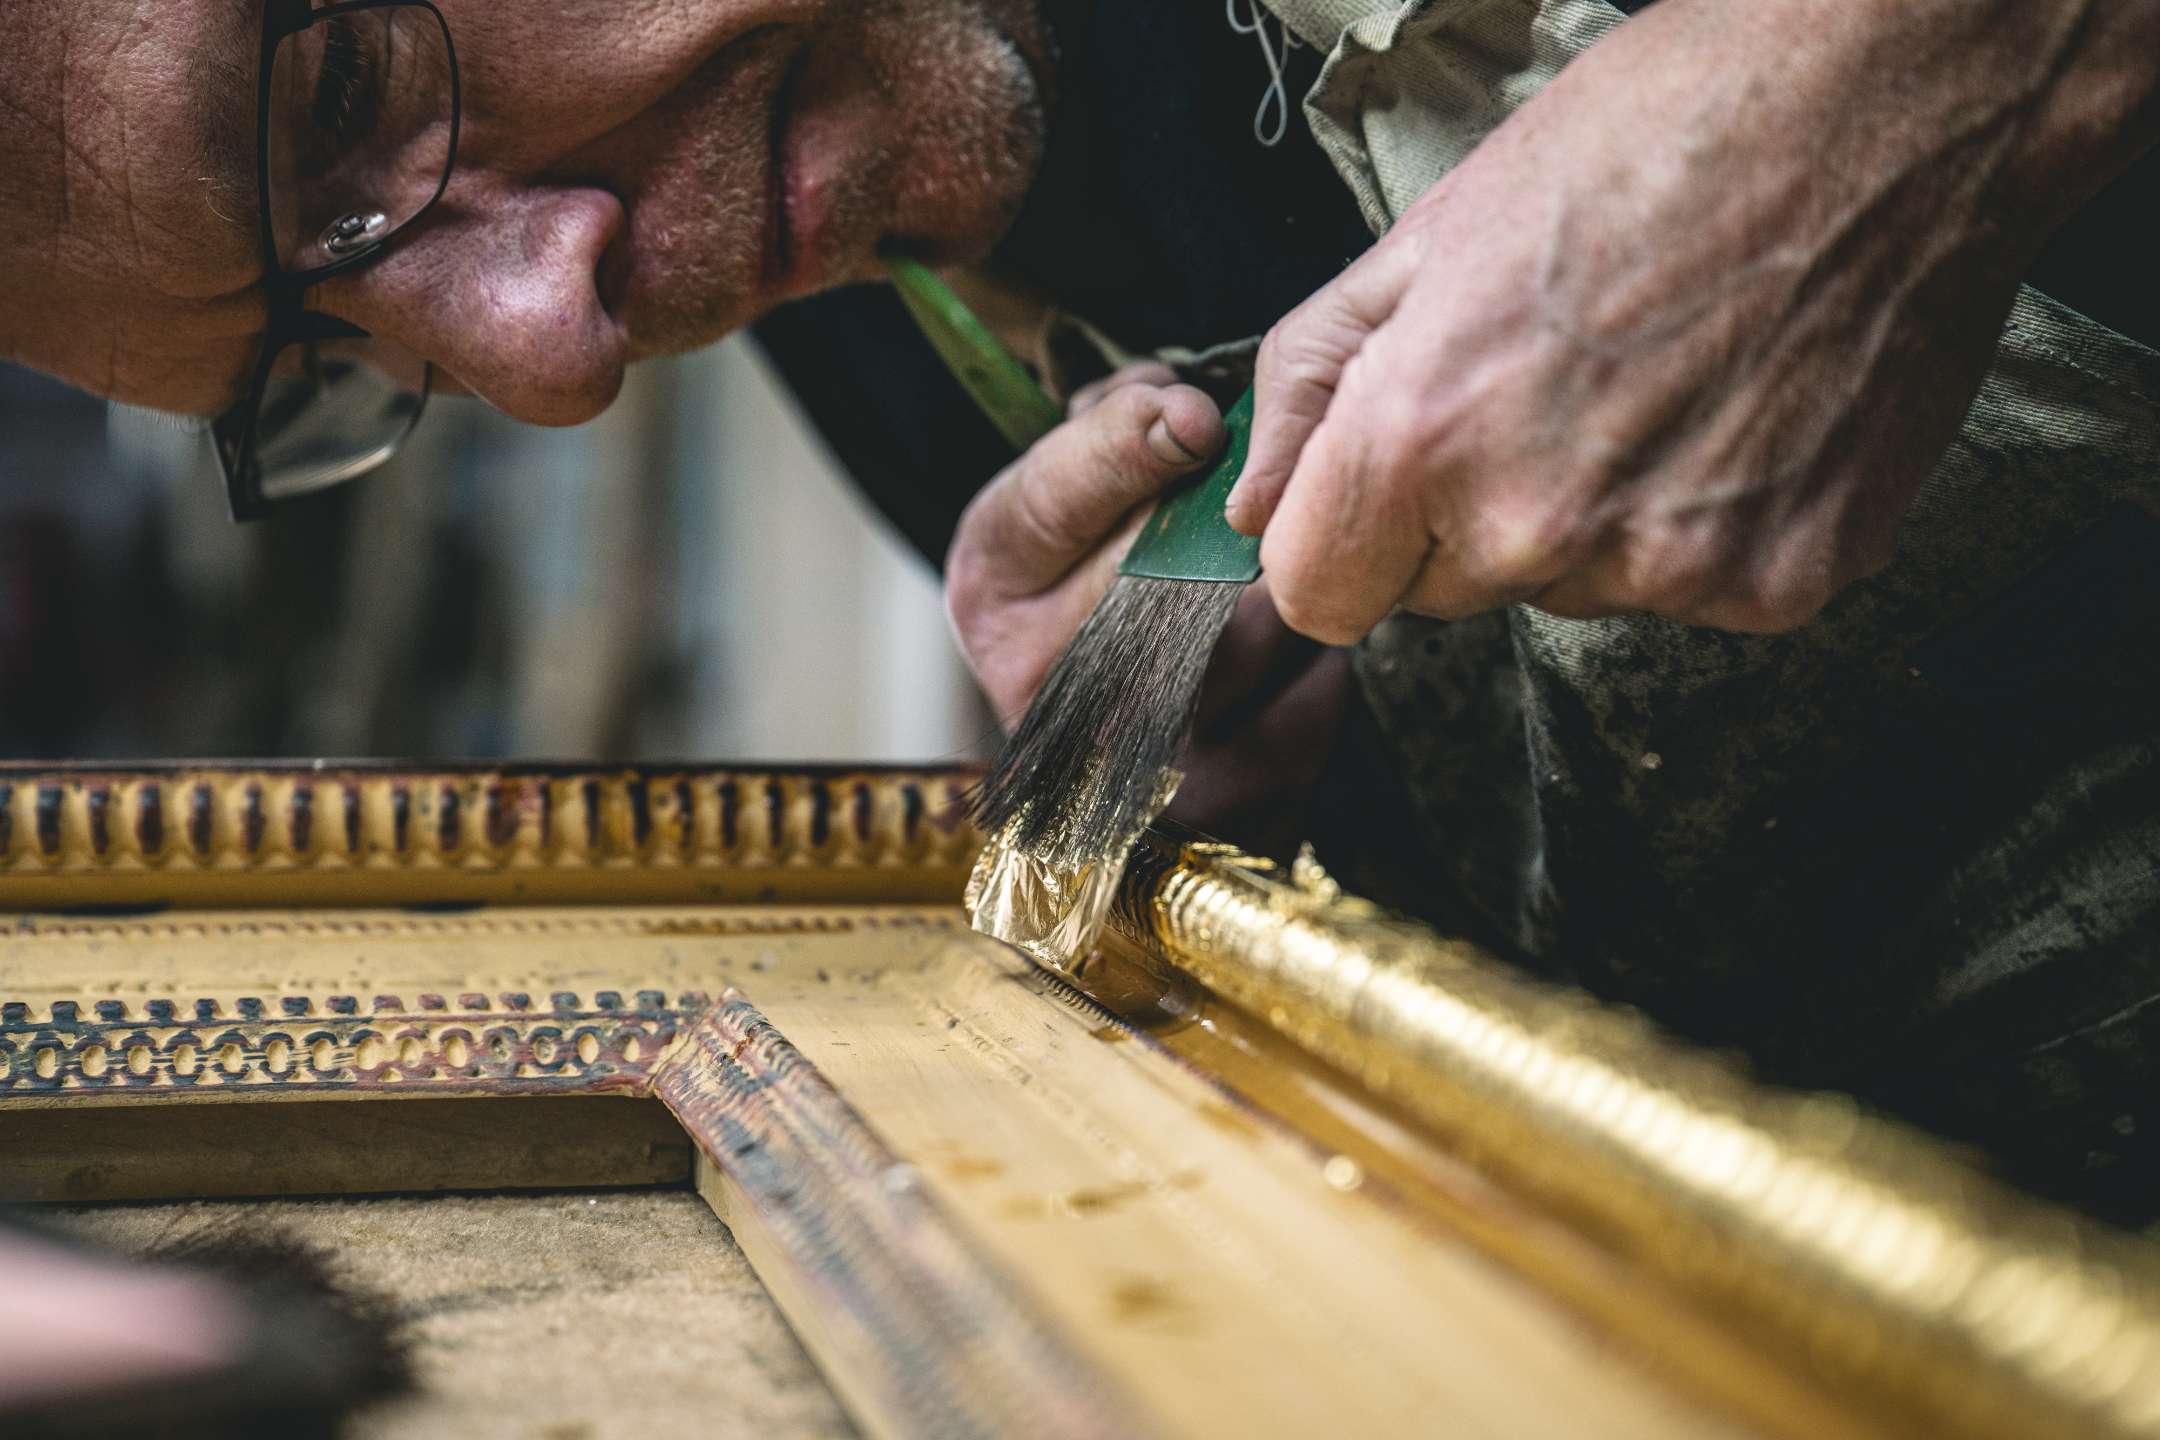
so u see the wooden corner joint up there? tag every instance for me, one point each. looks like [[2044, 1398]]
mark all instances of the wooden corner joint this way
[[934, 1339]]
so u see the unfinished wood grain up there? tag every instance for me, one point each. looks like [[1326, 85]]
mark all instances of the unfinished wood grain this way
[[920, 1330], [1518, 1300], [1195, 1255], [1215, 1270]]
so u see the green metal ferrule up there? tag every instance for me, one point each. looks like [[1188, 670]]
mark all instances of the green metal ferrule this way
[[1187, 537]]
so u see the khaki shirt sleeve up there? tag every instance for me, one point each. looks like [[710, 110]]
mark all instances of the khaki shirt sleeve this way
[[1411, 86]]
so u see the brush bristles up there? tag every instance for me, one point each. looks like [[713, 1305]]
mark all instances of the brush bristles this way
[[1093, 760]]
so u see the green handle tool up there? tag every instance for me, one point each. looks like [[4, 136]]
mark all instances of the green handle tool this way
[[1187, 538], [1000, 385]]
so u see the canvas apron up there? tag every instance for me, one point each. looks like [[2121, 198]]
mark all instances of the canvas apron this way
[[1910, 849]]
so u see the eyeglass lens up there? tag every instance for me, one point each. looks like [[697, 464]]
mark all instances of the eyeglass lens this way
[[332, 410], [361, 131], [361, 126]]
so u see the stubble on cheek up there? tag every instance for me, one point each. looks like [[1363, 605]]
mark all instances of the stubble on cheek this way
[[692, 172], [699, 254], [973, 120], [937, 106]]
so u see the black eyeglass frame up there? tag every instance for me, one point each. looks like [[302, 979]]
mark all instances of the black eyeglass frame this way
[[290, 322]]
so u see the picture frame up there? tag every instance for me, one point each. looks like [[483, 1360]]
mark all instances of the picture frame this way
[[1271, 1159]]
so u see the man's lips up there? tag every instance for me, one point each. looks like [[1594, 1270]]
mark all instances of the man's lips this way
[[831, 170], [777, 172], [673, 265]]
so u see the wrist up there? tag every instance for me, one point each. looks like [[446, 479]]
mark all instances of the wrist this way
[[2041, 102], [2098, 111]]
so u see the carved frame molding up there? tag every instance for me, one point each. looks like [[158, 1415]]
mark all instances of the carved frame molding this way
[[1898, 1275]]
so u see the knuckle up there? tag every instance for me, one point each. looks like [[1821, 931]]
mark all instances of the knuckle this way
[[967, 587], [1793, 589], [1399, 415], [1773, 610], [1086, 398], [1518, 538], [1071, 491], [972, 535], [1668, 573], [1306, 605], [960, 613], [1138, 372], [1128, 410], [967, 618], [1300, 612], [1039, 514], [1142, 372], [1292, 353], [1122, 449], [1042, 522], [1398, 443]]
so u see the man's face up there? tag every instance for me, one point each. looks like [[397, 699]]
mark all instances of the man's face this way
[[633, 178]]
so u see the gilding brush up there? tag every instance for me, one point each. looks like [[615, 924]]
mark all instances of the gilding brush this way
[[1094, 761]]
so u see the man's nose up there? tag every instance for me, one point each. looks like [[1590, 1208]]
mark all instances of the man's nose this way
[[501, 290]]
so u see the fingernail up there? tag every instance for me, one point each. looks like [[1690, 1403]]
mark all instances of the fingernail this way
[[1235, 506], [1167, 447]]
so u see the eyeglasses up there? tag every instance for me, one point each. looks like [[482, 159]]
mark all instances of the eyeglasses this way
[[356, 129]]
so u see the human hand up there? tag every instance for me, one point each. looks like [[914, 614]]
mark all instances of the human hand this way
[[1684, 335], [1040, 545], [79, 1328]]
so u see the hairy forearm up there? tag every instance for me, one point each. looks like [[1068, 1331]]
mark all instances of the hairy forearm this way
[[2100, 109], [2040, 103]]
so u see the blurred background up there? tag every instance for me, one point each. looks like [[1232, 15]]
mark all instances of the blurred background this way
[[689, 577]]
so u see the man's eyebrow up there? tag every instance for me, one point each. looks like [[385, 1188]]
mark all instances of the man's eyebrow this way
[[225, 159]]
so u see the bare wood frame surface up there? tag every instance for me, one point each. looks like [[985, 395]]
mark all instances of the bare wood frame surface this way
[[1218, 1180]]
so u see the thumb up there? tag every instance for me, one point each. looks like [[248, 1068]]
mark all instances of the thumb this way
[[1039, 520], [1300, 365]]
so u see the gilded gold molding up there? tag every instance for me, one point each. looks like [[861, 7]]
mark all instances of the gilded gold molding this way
[[1834, 1233], [1901, 1274], [359, 835], [492, 923]]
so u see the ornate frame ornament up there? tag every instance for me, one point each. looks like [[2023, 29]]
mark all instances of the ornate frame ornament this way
[[1270, 1159]]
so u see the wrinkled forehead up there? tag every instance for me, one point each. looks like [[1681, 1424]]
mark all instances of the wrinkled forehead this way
[[187, 96], [128, 129], [126, 178]]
